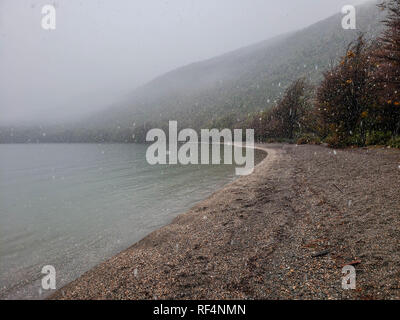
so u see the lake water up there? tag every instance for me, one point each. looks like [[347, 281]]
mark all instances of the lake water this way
[[73, 206]]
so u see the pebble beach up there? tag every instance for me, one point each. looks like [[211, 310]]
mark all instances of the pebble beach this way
[[283, 232]]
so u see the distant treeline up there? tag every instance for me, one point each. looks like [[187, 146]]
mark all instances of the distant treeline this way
[[57, 135], [357, 102]]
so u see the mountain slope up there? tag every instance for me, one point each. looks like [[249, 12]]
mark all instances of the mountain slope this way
[[223, 90], [243, 81]]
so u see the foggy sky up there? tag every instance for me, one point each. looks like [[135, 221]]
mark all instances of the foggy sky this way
[[103, 49]]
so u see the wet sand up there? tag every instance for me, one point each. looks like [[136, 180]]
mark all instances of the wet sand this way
[[284, 232]]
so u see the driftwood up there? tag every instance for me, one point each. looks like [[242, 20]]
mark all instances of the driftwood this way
[[321, 253], [338, 188]]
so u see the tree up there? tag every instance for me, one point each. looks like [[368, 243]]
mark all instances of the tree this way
[[347, 95], [288, 115], [388, 68]]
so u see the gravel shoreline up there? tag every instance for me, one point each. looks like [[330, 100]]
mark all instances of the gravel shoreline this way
[[284, 232]]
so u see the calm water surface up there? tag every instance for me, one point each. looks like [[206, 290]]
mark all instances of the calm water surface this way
[[75, 205]]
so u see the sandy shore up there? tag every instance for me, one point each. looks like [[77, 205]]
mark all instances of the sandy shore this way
[[283, 232]]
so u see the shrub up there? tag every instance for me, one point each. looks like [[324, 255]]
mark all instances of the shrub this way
[[335, 141], [378, 138], [308, 138], [395, 142]]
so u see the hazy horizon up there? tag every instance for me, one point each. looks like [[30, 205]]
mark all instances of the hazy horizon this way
[[101, 51]]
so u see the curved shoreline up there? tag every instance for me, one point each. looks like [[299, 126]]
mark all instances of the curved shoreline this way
[[283, 232], [270, 155]]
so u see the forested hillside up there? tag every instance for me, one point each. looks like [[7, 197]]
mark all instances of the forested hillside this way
[[220, 92]]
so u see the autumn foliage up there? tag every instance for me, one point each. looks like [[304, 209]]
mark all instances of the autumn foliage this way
[[286, 119], [356, 103], [346, 99], [388, 71]]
